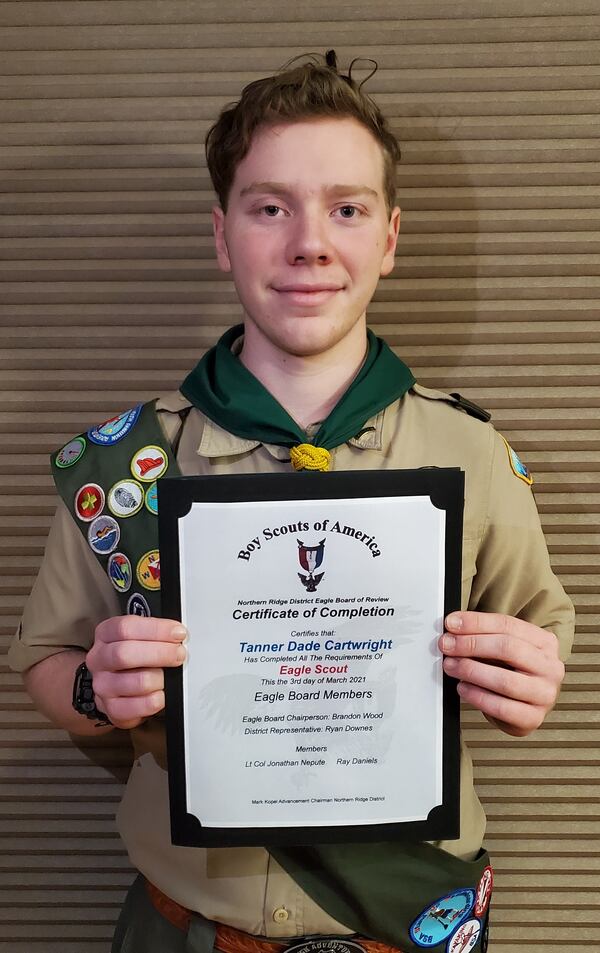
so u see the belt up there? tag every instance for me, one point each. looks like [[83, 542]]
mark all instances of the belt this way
[[230, 940]]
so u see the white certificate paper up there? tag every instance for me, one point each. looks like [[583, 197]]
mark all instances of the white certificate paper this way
[[312, 691]]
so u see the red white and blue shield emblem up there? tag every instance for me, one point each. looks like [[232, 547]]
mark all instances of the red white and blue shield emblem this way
[[310, 558]]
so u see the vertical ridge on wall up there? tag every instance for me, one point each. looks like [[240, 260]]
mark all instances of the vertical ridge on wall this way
[[110, 291]]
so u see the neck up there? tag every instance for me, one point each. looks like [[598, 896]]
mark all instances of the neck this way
[[307, 386]]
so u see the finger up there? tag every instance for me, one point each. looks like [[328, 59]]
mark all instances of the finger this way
[[496, 623], [129, 712], [124, 655], [143, 629], [505, 649], [132, 684], [517, 717], [503, 681]]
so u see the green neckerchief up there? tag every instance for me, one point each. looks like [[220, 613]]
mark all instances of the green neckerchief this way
[[223, 389]]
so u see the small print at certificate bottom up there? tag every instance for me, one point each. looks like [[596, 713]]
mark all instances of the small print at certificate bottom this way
[[312, 691]]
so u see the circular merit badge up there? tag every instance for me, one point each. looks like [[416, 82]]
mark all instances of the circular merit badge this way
[[104, 535], [465, 937], [439, 921], [119, 571], [148, 570], [152, 498], [137, 605], [113, 430], [89, 502], [125, 498], [149, 463], [484, 892], [70, 453]]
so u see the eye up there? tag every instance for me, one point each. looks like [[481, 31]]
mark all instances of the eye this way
[[270, 210], [349, 211]]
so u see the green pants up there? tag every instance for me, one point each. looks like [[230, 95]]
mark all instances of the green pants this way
[[141, 929]]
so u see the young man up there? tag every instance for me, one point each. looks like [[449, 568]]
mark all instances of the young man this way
[[303, 167]]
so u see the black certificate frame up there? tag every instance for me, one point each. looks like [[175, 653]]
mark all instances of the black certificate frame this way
[[445, 488]]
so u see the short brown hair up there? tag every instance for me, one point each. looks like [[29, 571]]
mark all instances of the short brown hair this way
[[311, 90]]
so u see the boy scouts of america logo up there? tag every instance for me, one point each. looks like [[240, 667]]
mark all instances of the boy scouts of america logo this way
[[310, 558]]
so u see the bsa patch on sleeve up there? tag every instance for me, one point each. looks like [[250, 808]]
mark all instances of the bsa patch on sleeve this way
[[517, 466]]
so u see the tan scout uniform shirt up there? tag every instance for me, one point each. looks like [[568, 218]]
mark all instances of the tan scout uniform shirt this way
[[505, 569]]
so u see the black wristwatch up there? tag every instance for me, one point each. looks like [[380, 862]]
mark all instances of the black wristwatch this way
[[84, 701]]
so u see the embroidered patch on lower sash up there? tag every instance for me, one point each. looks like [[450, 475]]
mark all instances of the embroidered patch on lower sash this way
[[465, 937], [137, 605], [119, 571], [125, 498], [149, 463], [484, 892], [89, 502], [439, 921], [104, 535], [148, 570]]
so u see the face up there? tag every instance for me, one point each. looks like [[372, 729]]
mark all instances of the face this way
[[307, 235]]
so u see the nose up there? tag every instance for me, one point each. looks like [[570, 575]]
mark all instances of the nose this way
[[308, 240]]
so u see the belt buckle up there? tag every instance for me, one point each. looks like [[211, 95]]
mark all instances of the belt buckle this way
[[325, 944]]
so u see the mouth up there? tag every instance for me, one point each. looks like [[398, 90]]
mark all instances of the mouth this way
[[307, 294]]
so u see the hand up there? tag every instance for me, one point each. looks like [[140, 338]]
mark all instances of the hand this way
[[127, 661], [507, 668]]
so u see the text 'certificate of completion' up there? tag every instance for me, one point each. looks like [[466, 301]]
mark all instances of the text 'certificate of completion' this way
[[311, 702]]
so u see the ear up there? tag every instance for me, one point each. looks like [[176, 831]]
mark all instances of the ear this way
[[218, 221], [387, 265]]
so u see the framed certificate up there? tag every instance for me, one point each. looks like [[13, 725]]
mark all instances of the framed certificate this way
[[312, 707]]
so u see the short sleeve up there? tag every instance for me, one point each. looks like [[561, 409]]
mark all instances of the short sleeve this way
[[71, 595], [513, 571]]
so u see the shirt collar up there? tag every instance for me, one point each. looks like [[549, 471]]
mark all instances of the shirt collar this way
[[217, 442]]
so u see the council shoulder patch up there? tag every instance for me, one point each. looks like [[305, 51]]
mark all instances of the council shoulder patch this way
[[125, 498], [119, 571], [89, 502], [517, 466], [72, 451], [113, 430], [149, 463], [148, 570], [439, 921], [465, 937], [104, 535]]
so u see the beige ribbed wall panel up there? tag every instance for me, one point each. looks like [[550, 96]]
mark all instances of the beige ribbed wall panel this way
[[109, 286]]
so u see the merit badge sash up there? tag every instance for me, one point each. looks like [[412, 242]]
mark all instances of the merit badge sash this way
[[411, 895], [107, 478]]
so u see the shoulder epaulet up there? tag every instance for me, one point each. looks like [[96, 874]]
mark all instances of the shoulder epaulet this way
[[469, 407], [455, 400]]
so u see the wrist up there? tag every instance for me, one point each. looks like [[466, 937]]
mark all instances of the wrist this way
[[84, 701]]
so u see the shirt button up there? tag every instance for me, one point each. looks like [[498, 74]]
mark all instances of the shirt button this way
[[280, 915]]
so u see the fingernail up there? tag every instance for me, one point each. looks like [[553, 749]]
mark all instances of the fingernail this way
[[179, 632], [450, 664], [181, 653], [454, 621], [448, 643]]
